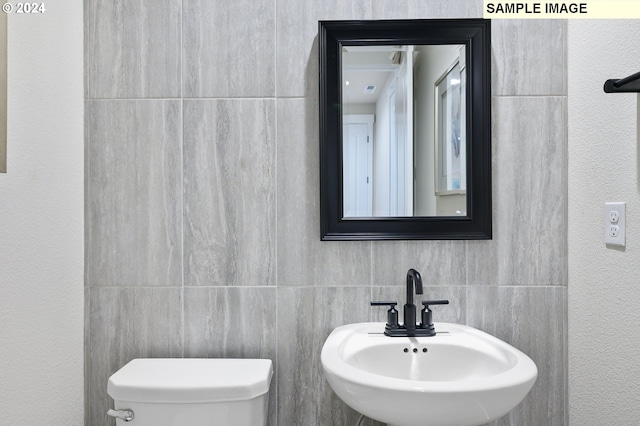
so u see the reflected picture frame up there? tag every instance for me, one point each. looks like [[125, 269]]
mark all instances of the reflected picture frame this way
[[450, 151]]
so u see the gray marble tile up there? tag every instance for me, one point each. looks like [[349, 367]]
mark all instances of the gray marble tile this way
[[228, 48], [420, 9], [533, 319], [296, 40], [132, 49], [303, 259], [439, 262], [86, 28], [87, 184], [87, 356], [134, 193], [455, 311], [127, 323], [306, 316], [529, 245], [232, 322], [529, 57], [229, 192]]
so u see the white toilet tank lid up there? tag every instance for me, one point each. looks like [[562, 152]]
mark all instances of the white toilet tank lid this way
[[190, 380]]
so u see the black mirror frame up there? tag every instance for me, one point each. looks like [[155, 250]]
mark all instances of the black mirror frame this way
[[475, 34]]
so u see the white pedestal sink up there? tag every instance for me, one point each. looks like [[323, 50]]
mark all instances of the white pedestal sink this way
[[460, 377]]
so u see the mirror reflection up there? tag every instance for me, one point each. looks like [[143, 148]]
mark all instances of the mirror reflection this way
[[404, 130]]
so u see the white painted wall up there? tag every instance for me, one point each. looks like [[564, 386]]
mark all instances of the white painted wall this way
[[42, 220], [604, 283]]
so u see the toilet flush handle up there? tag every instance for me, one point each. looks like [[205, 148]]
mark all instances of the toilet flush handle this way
[[126, 415]]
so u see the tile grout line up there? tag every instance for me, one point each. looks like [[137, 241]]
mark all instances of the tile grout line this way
[[275, 213], [466, 282], [196, 98], [182, 287], [87, 352], [370, 279], [182, 258], [86, 378]]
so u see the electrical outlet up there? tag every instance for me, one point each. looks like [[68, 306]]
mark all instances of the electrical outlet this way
[[614, 223]]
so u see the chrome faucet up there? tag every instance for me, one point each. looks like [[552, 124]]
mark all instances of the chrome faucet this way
[[410, 328]]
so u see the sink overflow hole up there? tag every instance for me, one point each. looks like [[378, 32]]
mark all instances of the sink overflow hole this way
[[415, 350]]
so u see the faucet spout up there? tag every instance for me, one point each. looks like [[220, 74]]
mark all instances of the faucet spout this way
[[413, 280]]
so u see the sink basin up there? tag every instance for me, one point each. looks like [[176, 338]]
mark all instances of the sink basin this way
[[460, 377]]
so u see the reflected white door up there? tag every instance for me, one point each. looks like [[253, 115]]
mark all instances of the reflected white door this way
[[357, 164], [393, 154], [401, 141]]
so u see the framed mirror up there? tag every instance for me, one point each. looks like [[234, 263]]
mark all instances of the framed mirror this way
[[405, 129]]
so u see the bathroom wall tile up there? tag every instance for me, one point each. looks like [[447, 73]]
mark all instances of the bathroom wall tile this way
[[297, 44], [229, 192], [127, 323], [249, 207], [87, 185], [533, 319], [228, 48], [86, 28], [134, 196], [303, 259], [529, 245], [439, 262], [232, 322], [306, 316], [87, 356], [529, 57], [455, 311], [420, 9], [132, 49]]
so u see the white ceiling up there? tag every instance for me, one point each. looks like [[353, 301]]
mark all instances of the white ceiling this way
[[363, 66]]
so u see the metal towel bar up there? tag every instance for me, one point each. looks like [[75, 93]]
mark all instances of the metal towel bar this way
[[623, 85]]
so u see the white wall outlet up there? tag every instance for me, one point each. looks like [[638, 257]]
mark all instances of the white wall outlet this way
[[614, 223]]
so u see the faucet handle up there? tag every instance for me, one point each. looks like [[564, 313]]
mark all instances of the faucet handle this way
[[427, 320], [426, 303], [392, 313], [384, 303]]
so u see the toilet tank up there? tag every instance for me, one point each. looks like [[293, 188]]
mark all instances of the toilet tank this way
[[192, 391]]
